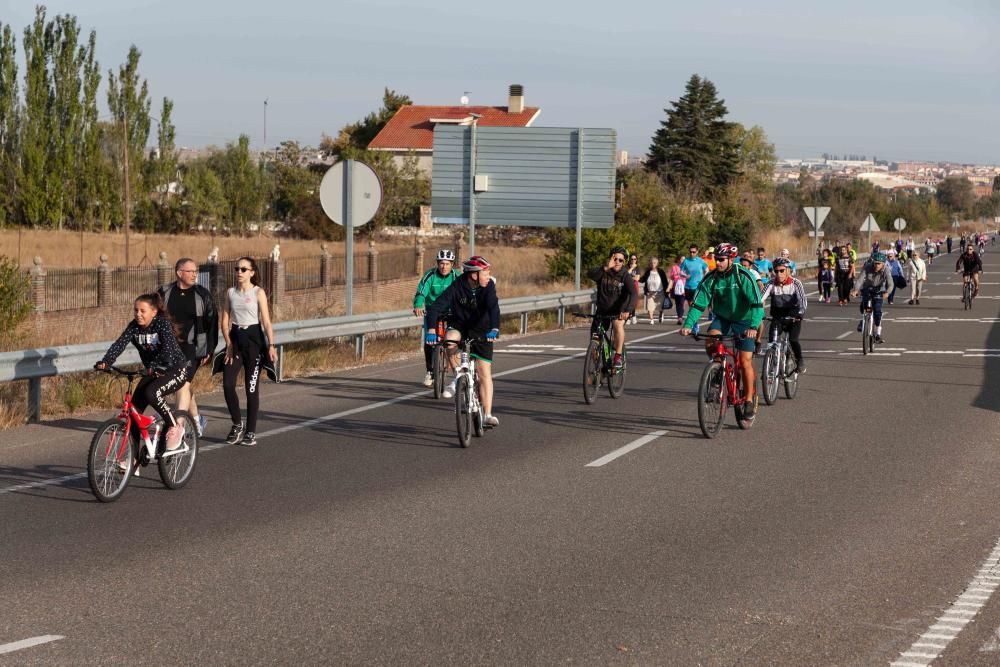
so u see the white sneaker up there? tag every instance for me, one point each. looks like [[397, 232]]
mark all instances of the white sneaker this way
[[449, 389], [491, 421], [429, 379], [174, 436], [651, 322]]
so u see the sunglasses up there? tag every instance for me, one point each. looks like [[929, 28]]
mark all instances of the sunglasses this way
[[617, 259], [242, 269]]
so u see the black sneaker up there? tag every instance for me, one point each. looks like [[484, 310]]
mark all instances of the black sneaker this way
[[235, 434], [800, 365], [879, 340], [750, 409], [860, 324], [249, 440]]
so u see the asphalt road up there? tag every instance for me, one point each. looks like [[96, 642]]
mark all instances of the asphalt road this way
[[836, 531]]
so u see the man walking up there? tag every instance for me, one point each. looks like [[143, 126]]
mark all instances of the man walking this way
[[193, 309]]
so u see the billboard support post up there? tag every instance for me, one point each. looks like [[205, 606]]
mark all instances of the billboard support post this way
[[579, 204]]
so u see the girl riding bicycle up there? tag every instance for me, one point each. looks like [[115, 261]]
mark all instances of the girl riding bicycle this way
[[153, 335]]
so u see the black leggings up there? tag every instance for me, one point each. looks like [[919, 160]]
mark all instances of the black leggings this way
[[154, 391], [246, 356], [794, 329], [844, 284]]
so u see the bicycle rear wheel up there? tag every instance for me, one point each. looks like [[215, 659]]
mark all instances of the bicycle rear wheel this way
[[463, 411], [769, 376], [616, 383], [176, 467], [791, 379], [712, 399], [592, 371], [967, 295], [478, 425], [108, 449], [440, 364]]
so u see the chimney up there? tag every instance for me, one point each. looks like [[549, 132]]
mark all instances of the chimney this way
[[515, 103]]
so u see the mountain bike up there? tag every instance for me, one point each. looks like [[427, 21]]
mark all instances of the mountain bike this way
[[469, 414], [968, 291], [779, 365], [868, 325], [130, 440], [721, 386], [598, 361], [440, 360]]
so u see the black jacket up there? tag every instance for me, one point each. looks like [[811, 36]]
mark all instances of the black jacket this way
[[616, 291], [204, 334], [156, 343], [477, 310]]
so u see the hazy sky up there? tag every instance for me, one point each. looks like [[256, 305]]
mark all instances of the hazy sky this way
[[903, 80]]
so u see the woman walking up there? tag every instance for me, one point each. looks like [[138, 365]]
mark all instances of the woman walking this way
[[656, 283], [633, 270], [844, 275], [246, 325], [677, 287]]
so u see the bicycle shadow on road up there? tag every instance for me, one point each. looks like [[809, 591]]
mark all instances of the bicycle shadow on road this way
[[989, 393], [12, 477]]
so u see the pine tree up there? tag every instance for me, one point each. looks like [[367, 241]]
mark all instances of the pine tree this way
[[8, 125], [694, 146]]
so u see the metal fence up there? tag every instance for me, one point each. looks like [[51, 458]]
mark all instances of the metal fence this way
[[395, 264], [67, 289], [127, 284], [303, 273]]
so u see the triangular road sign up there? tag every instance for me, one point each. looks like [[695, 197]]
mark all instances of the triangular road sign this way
[[816, 215], [869, 225]]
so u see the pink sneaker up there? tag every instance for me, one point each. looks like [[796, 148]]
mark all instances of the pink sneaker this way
[[174, 436]]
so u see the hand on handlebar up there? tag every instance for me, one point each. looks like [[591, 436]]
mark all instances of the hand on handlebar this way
[[431, 338], [492, 334], [685, 331], [100, 366]]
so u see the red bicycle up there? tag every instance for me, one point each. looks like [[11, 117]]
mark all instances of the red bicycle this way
[[132, 439], [721, 385]]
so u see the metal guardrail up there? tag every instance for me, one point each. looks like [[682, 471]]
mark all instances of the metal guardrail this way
[[33, 365]]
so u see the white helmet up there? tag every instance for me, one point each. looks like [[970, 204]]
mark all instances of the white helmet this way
[[446, 255]]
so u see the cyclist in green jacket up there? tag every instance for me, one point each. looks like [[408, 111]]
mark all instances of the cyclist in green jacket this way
[[734, 296], [430, 287]]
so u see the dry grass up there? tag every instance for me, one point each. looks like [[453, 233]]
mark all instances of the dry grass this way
[[63, 249]]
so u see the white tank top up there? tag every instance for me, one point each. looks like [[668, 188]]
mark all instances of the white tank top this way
[[243, 307]]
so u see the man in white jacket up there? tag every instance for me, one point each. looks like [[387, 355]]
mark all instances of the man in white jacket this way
[[917, 274]]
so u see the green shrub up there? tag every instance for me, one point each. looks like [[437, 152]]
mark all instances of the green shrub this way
[[15, 299]]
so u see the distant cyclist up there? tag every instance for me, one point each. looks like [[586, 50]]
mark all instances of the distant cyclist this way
[[874, 282], [475, 314], [788, 300], [735, 299], [430, 287], [617, 295], [970, 264]]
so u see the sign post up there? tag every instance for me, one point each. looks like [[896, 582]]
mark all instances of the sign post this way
[[869, 225], [350, 195], [899, 224], [816, 215]]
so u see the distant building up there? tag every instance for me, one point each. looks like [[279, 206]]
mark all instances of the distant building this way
[[411, 130]]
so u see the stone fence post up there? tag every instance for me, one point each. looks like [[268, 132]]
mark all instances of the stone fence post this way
[[163, 270], [104, 282], [278, 271], [372, 262], [418, 258], [38, 274], [215, 280], [324, 266], [461, 248]]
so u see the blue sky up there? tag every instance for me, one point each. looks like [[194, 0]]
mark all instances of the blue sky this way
[[903, 80]]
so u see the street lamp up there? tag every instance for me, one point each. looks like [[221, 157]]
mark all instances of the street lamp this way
[[472, 184]]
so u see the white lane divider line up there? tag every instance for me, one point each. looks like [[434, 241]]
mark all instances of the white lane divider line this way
[[28, 643], [44, 482], [930, 645], [846, 334], [635, 444]]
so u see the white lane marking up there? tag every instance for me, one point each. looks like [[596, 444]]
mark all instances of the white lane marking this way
[[845, 335], [28, 643], [992, 645], [334, 416], [951, 623], [635, 444]]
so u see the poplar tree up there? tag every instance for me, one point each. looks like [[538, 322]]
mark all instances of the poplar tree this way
[[128, 101], [91, 166], [163, 167], [35, 125], [68, 58], [8, 124]]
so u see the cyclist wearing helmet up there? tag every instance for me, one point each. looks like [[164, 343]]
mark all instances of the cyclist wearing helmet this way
[[732, 292], [971, 265], [788, 299], [475, 314], [617, 295], [873, 283], [430, 287]]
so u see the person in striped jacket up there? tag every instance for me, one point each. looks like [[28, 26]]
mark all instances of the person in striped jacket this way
[[788, 299]]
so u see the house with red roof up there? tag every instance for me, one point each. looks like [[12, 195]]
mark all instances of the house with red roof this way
[[411, 129]]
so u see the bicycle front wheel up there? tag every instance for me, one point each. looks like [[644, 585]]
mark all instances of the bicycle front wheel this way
[[866, 335], [967, 294], [712, 399], [616, 383], [741, 420], [177, 466], [440, 363], [463, 410], [791, 379], [769, 376], [478, 417], [591, 371], [109, 462]]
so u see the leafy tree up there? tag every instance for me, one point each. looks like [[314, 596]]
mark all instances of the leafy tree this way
[[359, 134], [8, 124], [68, 58], [161, 170], [242, 182], [128, 101], [695, 145], [956, 194], [292, 182], [15, 300], [756, 157], [35, 125], [204, 196], [92, 169]]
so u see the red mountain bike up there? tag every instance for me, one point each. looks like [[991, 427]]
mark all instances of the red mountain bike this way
[[721, 385], [132, 439]]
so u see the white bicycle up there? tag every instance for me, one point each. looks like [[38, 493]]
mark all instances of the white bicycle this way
[[469, 414]]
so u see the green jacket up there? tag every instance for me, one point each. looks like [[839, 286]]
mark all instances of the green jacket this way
[[432, 285], [734, 296]]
